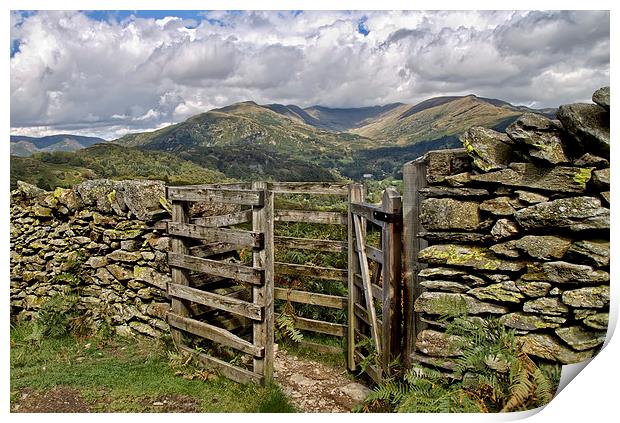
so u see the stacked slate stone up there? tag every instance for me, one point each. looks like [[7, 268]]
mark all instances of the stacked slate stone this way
[[99, 242], [517, 226]]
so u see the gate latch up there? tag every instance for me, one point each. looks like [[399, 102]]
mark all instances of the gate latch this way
[[387, 217]]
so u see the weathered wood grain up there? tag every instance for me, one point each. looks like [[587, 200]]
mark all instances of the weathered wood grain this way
[[311, 244], [219, 195], [231, 236], [319, 326], [235, 271], [311, 216], [306, 297], [226, 369], [328, 273], [236, 218]]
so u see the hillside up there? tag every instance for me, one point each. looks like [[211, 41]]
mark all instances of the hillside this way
[[48, 170], [247, 140], [24, 146]]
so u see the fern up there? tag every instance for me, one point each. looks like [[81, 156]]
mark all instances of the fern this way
[[285, 325]]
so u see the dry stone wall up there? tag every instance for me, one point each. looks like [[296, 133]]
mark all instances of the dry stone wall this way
[[98, 243], [517, 225]]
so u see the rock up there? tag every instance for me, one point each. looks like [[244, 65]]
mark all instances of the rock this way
[[41, 211], [546, 305], [159, 310], [597, 321], [130, 245], [459, 179], [562, 272], [541, 135], [141, 197], [489, 149], [533, 289], [531, 197], [522, 321], [454, 237], [356, 391], [443, 163], [500, 206], [588, 125], [124, 331], [445, 363], [592, 252], [453, 192], [104, 277], [504, 228], [543, 247], [447, 286], [501, 292], [529, 175], [439, 344], [467, 256], [606, 196], [160, 243], [590, 297], [26, 190], [548, 347], [144, 329], [96, 193], [69, 198], [96, 262], [575, 213], [580, 338], [590, 160], [119, 272], [601, 97], [126, 256], [151, 276], [443, 272], [443, 303], [600, 179], [448, 214]]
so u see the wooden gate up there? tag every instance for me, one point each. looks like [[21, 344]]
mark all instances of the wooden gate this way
[[314, 291], [374, 331], [217, 293]]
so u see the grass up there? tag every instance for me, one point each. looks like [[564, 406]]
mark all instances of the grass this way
[[122, 375]]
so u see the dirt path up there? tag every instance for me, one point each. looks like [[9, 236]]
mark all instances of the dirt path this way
[[316, 387]]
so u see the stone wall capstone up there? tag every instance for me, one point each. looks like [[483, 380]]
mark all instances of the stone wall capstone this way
[[517, 225]]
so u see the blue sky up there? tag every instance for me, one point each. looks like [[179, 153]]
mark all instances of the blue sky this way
[[106, 73]]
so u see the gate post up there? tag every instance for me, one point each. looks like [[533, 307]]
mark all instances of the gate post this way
[[262, 221], [414, 178], [391, 246]]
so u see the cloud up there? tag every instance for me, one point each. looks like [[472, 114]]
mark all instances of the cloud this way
[[73, 72]]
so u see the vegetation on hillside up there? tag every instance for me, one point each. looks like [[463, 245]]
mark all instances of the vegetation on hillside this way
[[64, 169]]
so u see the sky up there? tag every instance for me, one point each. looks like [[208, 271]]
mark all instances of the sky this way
[[107, 73]]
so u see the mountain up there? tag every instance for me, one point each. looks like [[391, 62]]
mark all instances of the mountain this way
[[49, 170], [24, 146], [286, 142]]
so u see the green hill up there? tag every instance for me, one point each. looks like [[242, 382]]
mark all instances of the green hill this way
[[108, 160]]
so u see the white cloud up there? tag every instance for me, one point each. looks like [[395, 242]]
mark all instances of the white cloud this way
[[74, 73]]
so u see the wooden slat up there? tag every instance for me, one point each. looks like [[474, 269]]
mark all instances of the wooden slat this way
[[362, 313], [377, 291], [367, 284], [206, 194], [221, 302], [160, 225], [226, 369], [366, 211], [213, 333], [180, 213], [310, 216], [305, 297], [311, 244], [228, 270], [328, 273], [333, 188], [372, 370], [319, 326], [356, 194], [231, 236], [214, 249], [236, 218], [262, 332], [373, 253]]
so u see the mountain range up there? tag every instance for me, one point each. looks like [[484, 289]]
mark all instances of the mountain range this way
[[286, 142], [24, 146]]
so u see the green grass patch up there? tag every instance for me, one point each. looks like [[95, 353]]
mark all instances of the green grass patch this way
[[125, 375]]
